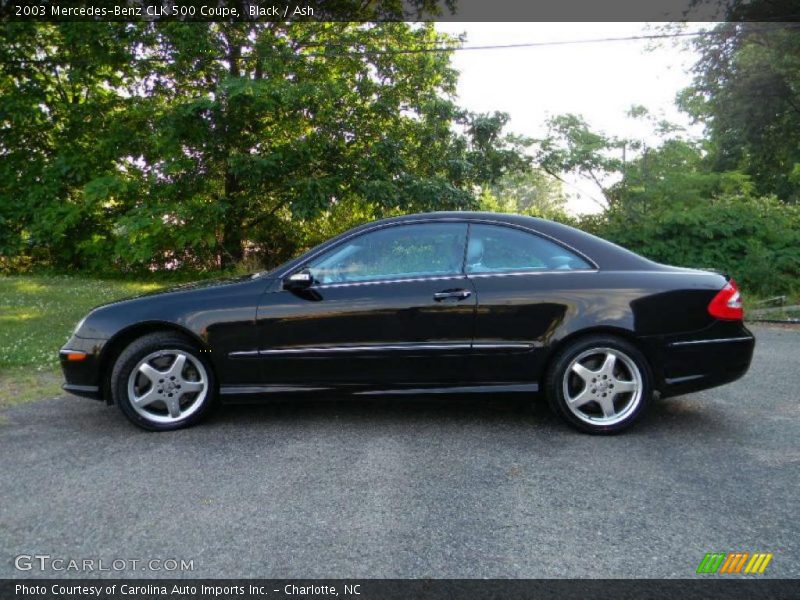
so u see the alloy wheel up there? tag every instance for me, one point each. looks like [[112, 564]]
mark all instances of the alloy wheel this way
[[602, 386], [167, 386]]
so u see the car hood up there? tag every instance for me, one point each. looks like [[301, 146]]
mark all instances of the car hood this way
[[182, 287], [169, 305]]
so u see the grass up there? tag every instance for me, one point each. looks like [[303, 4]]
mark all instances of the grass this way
[[757, 307], [775, 314], [37, 315], [22, 384]]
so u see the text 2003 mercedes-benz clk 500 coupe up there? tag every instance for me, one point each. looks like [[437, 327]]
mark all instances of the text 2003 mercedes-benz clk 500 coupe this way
[[456, 302]]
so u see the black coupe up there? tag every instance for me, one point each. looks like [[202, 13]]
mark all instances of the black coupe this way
[[444, 302]]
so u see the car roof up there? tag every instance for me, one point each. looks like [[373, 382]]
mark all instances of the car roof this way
[[605, 254]]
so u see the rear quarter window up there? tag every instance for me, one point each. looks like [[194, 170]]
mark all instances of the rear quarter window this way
[[497, 249]]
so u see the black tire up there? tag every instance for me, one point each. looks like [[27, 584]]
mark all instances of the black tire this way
[[200, 403], [631, 408]]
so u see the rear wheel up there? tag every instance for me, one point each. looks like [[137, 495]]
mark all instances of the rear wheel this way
[[161, 382], [599, 384]]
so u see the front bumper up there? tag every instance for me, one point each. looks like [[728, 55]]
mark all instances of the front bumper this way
[[82, 377]]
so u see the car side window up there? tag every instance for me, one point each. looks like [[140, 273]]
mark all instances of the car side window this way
[[496, 249], [396, 252]]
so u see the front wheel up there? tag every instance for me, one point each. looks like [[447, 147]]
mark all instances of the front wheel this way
[[160, 382], [599, 384]]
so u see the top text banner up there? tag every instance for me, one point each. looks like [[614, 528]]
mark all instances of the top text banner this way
[[397, 10]]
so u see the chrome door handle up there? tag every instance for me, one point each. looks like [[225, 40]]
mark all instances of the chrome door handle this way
[[457, 294]]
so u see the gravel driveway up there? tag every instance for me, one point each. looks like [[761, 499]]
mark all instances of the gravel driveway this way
[[429, 487]]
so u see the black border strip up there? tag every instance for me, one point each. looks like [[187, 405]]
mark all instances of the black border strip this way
[[396, 10], [418, 589]]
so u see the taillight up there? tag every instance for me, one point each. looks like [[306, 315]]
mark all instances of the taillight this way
[[727, 304]]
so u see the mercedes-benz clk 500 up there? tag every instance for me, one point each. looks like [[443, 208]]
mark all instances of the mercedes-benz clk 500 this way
[[444, 302]]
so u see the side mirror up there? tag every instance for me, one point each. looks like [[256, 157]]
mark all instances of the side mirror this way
[[301, 280]]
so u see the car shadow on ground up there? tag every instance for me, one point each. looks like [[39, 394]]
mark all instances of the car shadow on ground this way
[[509, 411]]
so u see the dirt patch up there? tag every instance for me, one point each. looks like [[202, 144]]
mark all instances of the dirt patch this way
[[26, 384]]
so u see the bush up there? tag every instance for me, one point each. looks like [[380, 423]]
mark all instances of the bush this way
[[755, 240]]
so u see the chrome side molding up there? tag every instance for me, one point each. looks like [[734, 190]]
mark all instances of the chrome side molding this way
[[714, 341], [414, 347]]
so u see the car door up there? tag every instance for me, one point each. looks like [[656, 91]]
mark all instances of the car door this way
[[519, 278], [388, 306]]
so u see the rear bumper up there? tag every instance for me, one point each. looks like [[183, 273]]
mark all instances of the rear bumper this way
[[718, 355]]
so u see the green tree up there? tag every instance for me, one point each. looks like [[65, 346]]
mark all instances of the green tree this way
[[531, 192], [634, 178], [571, 146], [746, 91], [671, 203], [196, 143], [63, 89], [673, 175]]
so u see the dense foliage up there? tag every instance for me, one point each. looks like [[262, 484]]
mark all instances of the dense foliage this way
[[671, 205], [756, 240], [747, 92], [190, 145]]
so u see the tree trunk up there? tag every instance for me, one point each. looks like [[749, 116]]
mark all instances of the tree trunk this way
[[232, 250], [232, 238]]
